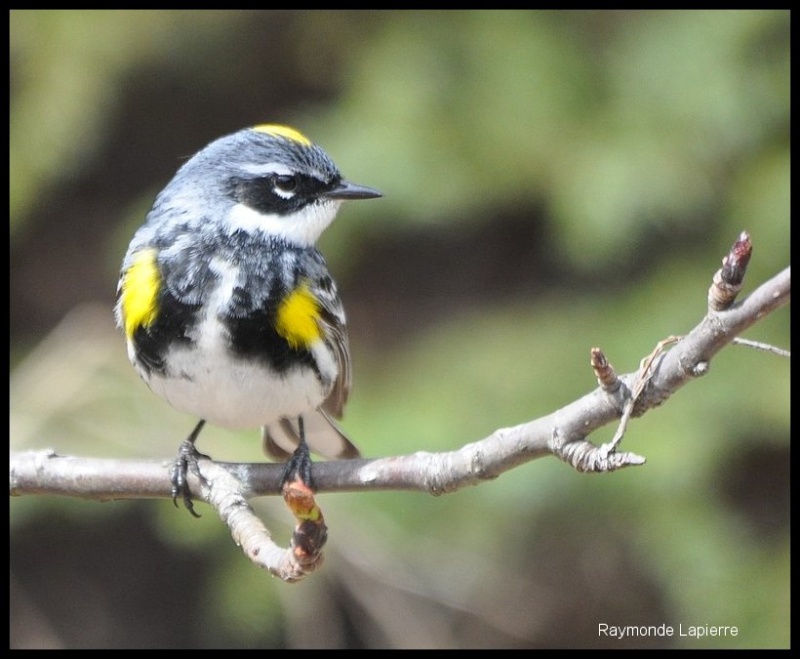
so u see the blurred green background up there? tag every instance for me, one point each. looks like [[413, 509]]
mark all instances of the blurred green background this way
[[553, 181]]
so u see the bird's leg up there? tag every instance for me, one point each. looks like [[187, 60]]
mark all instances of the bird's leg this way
[[297, 488], [188, 455], [298, 468]]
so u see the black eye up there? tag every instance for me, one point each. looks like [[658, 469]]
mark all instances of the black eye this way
[[285, 183]]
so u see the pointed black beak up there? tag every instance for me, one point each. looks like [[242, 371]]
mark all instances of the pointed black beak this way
[[345, 190]]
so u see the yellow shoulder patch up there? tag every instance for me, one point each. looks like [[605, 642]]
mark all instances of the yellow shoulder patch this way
[[297, 320], [283, 131], [139, 294]]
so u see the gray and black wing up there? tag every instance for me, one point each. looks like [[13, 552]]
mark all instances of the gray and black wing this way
[[322, 434]]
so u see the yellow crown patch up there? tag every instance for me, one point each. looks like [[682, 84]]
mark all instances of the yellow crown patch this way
[[285, 132]]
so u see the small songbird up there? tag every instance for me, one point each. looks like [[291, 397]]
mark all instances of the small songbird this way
[[229, 310]]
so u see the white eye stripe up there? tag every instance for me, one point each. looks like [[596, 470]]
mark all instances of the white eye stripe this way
[[266, 168], [271, 169]]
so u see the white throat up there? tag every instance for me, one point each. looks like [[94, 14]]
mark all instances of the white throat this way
[[302, 228]]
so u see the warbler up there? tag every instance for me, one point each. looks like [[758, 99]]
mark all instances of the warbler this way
[[229, 311]]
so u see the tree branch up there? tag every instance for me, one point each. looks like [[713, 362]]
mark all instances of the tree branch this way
[[227, 486]]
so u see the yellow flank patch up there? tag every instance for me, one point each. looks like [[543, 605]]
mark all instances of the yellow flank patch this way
[[140, 286], [297, 319], [283, 131]]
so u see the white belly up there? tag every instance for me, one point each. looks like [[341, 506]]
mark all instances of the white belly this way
[[211, 383], [236, 394]]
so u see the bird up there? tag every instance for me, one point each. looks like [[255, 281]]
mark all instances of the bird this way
[[229, 311]]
